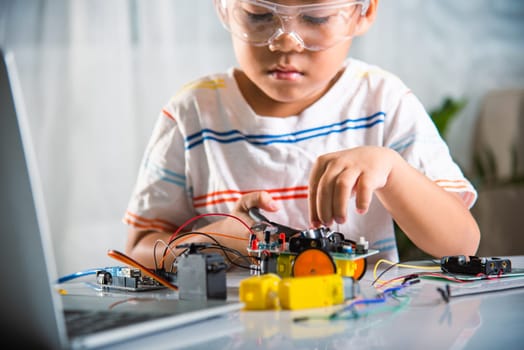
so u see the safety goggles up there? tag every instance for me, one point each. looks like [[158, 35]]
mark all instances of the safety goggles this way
[[314, 26]]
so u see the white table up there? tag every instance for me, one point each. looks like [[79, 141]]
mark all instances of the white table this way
[[480, 321]]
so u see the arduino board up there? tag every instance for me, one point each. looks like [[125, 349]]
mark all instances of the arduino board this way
[[126, 278]]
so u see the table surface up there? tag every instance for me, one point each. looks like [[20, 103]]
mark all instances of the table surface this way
[[479, 315]]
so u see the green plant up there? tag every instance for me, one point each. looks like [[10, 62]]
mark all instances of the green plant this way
[[444, 114]]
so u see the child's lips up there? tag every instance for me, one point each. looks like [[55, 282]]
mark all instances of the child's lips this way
[[285, 74]]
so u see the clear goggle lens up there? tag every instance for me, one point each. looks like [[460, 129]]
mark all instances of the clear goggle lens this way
[[316, 26]]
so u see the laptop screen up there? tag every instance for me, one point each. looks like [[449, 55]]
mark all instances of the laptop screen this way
[[32, 312], [27, 302]]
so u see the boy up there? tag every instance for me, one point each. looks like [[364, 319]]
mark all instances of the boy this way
[[306, 134]]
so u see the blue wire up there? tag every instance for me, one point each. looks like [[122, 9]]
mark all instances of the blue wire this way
[[77, 275], [377, 300]]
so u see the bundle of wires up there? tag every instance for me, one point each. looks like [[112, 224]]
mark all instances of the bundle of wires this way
[[351, 311], [362, 307], [159, 273], [179, 236]]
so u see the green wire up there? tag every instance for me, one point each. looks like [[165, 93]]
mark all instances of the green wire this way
[[354, 314]]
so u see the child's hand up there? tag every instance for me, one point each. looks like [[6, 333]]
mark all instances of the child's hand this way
[[261, 199], [337, 176]]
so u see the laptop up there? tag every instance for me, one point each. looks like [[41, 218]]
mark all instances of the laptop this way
[[32, 310]]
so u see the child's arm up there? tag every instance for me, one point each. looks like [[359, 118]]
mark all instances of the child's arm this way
[[140, 244], [435, 220]]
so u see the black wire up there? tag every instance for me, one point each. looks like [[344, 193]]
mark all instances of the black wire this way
[[234, 251], [383, 272], [436, 261], [217, 245], [180, 236], [446, 294]]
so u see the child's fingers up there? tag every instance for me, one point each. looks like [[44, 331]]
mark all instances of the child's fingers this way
[[344, 188], [259, 199], [367, 184], [314, 180]]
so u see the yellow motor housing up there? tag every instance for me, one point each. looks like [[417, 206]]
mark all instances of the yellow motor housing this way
[[297, 293], [260, 292]]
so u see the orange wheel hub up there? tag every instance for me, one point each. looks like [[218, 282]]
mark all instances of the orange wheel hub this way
[[313, 262], [360, 268]]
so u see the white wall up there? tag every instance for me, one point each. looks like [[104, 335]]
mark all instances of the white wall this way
[[460, 49], [95, 74]]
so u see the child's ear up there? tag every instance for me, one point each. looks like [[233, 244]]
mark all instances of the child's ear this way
[[365, 21]]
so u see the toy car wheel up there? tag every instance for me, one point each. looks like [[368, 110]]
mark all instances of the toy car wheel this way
[[313, 262], [360, 269]]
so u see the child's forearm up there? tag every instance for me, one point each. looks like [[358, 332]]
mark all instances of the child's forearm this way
[[435, 220], [141, 244]]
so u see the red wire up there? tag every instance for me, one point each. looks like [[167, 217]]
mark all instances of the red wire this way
[[201, 216], [179, 229], [422, 274]]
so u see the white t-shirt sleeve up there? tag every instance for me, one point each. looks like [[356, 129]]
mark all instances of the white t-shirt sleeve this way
[[161, 189], [421, 144]]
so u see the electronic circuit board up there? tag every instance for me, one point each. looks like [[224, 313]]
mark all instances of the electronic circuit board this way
[[126, 278], [291, 252]]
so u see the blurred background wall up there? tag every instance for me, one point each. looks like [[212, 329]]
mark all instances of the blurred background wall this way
[[95, 74]]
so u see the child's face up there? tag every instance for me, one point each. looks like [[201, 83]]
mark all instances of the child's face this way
[[291, 55]]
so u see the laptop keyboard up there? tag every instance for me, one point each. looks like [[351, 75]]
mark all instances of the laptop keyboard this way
[[84, 322]]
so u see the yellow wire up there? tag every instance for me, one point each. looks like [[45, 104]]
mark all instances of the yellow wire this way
[[432, 268]]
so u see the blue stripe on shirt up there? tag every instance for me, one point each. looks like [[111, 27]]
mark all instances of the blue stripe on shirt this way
[[164, 174], [295, 137], [403, 143], [385, 244]]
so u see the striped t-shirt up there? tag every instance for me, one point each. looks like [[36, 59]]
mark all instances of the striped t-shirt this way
[[208, 148]]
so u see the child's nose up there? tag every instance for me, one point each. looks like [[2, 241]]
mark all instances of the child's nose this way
[[286, 42]]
